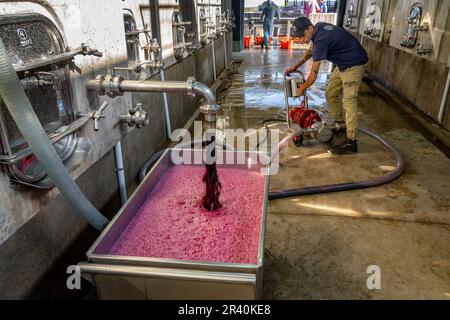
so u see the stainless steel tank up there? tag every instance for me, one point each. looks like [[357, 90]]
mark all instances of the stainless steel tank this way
[[126, 277]]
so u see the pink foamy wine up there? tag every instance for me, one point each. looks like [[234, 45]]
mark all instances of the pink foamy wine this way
[[164, 244], [172, 223]]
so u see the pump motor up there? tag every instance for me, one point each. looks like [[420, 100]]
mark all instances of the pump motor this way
[[307, 119]]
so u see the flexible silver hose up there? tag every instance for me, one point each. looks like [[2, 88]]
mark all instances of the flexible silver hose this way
[[19, 107]]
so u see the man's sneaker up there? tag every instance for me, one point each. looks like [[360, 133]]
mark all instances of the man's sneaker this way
[[348, 147], [339, 127]]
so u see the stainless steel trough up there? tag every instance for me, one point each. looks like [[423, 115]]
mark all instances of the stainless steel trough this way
[[127, 277]]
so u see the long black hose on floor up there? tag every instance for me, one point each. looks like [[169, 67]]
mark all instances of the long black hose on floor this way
[[400, 167]]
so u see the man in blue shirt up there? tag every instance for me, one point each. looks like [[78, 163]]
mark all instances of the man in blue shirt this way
[[338, 46], [269, 11], [323, 6]]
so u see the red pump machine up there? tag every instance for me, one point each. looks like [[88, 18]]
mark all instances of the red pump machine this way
[[307, 119]]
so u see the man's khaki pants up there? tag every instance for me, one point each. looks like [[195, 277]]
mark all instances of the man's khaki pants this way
[[346, 83]]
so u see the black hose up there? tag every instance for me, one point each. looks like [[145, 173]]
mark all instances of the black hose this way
[[350, 185], [149, 164]]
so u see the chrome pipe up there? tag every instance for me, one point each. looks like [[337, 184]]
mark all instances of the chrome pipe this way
[[214, 59], [114, 85], [154, 86], [225, 50], [120, 171], [166, 109], [444, 99]]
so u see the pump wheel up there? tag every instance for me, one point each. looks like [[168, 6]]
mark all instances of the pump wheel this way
[[298, 140]]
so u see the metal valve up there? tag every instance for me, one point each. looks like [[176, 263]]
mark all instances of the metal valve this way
[[191, 35], [424, 27], [183, 23], [191, 47], [424, 51], [85, 50], [137, 32], [98, 115], [137, 117], [153, 54]]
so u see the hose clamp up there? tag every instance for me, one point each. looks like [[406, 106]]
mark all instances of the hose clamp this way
[[112, 86], [190, 86], [100, 89], [209, 108]]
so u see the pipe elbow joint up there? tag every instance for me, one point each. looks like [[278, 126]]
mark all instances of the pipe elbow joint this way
[[203, 90], [210, 106]]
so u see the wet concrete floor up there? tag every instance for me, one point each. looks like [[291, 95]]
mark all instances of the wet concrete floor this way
[[320, 246]]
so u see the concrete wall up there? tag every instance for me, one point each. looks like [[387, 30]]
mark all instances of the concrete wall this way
[[418, 80], [77, 22], [33, 260]]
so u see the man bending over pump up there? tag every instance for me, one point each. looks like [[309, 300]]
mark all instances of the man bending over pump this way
[[338, 46]]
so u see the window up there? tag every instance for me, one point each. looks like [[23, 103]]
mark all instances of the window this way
[[132, 37], [30, 40]]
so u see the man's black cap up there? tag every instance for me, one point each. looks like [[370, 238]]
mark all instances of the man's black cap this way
[[299, 27]]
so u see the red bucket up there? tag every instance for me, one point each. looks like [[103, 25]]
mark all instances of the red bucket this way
[[247, 41], [285, 43]]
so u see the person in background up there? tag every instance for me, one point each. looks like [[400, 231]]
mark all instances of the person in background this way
[[311, 6], [340, 47], [269, 11], [323, 6]]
